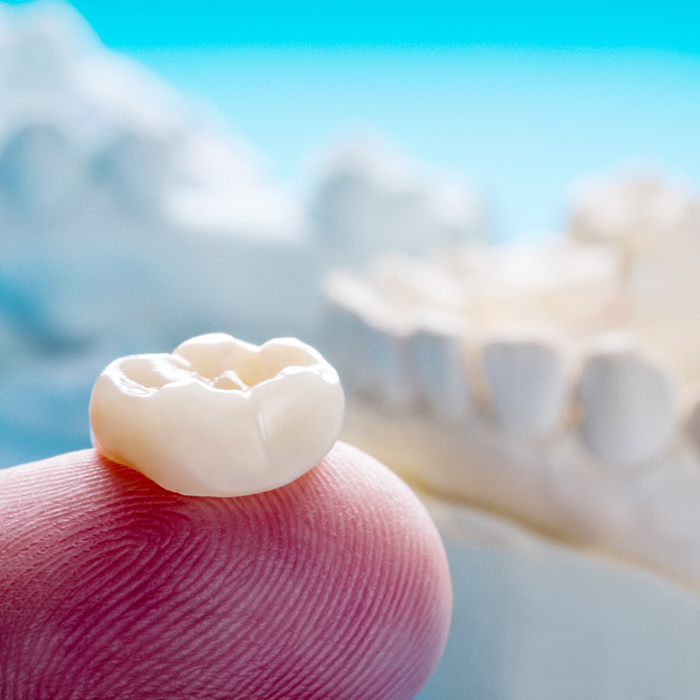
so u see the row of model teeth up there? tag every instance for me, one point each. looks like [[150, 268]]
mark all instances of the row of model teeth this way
[[527, 380]]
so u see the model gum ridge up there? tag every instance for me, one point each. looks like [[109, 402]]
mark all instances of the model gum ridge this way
[[218, 416], [557, 385]]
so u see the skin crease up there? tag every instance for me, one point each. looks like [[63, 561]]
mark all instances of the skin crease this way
[[111, 588]]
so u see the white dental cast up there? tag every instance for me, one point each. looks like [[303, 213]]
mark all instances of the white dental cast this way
[[526, 374], [627, 404], [218, 416]]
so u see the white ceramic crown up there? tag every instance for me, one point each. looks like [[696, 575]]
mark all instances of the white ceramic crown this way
[[218, 416]]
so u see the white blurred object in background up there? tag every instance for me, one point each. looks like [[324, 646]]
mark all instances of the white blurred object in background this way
[[576, 450], [655, 225], [131, 218], [372, 200]]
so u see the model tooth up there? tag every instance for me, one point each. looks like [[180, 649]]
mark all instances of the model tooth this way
[[439, 368], [39, 168], [134, 166], [371, 343], [387, 374], [348, 296], [526, 375], [627, 405], [341, 326]]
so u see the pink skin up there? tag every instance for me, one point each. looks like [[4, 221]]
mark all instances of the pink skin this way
[[111, 588]]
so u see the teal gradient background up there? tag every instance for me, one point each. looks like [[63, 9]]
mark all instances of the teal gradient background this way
[[545, 23], [521, 98]]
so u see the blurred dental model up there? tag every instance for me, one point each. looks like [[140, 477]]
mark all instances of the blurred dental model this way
[[130, 217], [108, 180], [545, 401], [371, 200]]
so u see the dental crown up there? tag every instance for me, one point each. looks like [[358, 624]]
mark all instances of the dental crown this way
[[218, 416]]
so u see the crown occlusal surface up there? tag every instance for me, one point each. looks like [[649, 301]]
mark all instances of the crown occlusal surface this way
[[218, 416]]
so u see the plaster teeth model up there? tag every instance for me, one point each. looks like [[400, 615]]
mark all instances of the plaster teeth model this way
[[520, 381], [439, 369], [219, 417], [573, 460], [526, 374], [387, 373], [627, 406]]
